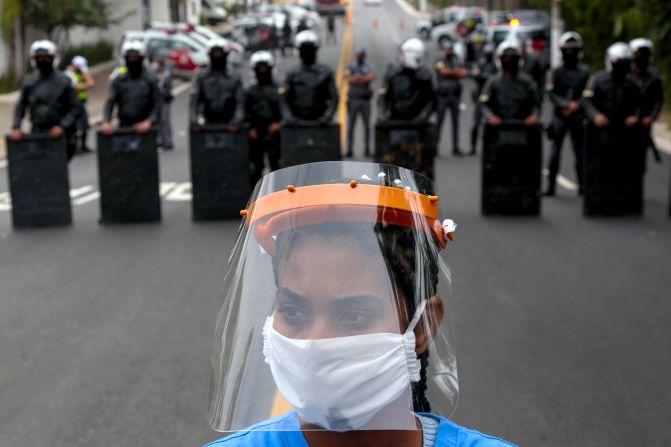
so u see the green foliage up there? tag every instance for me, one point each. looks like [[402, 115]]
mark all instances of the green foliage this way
[[8, 82], [57, 17], [95, 53], [10, 12], [603, 22]]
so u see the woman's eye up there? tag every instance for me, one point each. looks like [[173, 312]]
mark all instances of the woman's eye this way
[[356, 319], [292, 314]]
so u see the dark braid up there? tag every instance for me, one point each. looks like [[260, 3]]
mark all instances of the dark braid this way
[[417, 282], [414, 268]]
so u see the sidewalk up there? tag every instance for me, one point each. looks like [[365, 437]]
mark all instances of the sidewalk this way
[[97, 97]]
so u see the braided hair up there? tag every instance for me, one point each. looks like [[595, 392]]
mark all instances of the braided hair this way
[[413, 266], [400, 248]]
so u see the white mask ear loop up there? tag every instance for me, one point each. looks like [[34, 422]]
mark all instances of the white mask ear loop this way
[[418, 314]]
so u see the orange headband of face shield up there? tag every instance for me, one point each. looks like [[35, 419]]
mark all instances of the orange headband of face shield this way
[[350, 202]]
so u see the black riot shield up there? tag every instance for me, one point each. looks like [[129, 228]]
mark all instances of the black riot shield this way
[[614, 167], [310, 143], [219, 173], [404, 144], [511, 169], [129, 177], [38, 181]]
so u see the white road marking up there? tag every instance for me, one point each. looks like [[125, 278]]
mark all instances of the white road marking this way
[[80, 191], [5, 201], [166, 187], [563, 181], [181, 193], [95, 195]]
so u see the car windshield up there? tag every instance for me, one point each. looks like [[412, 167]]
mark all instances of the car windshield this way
[[500, 35]]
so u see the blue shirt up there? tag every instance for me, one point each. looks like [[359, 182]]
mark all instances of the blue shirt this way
[[285, 431]]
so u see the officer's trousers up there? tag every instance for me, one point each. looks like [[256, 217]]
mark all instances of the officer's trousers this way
[[356, 107], [560, 126], [445, 103], [165, 127], [477, 118], [257, 150], [82, 125]]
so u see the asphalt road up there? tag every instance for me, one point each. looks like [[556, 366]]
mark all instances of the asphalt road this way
[[562, 322]]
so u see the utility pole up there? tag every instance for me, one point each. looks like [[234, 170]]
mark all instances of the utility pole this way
[[557, 29], [146, 14]]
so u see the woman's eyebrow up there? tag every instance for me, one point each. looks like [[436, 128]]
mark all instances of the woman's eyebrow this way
[[291, 295], [356, 299]]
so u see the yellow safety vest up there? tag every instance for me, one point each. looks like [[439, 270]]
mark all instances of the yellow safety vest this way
[[83, 95]]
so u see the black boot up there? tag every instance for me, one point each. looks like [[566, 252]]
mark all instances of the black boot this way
[[550, 192]]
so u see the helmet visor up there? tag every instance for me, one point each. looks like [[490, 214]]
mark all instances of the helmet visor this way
[[336, 309]]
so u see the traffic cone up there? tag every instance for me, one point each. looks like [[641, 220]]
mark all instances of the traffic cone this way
[[401, 25], [376, 24]]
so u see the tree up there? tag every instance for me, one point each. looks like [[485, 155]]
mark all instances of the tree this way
[[603, 22], [56, 18]]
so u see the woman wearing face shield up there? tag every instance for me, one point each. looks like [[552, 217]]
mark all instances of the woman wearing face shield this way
[[335, 328]]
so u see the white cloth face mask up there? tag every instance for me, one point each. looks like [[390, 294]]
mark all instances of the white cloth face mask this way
[[340, 384]]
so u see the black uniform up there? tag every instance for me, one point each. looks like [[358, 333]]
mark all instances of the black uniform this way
[[262, 108], [310, 95], [619, 166], [137, 98], [408, 95], [486, 69], [220, 96], [536, 67], [52, 101], [652, 92], [515, 98], [568, 83], [615, 98], [449, 97]]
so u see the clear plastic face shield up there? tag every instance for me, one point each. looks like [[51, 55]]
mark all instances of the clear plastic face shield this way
[[336, 308]]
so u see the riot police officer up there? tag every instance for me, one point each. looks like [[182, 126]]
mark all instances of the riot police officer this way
[[262, 111], [511, 94], [612, 96], [485, 68], [309, 92], [217, 91], [49, 96], [449, 71], [649, 81], [568, 83], [359, 75], [535, 65], [134, 92], [408, 93]]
